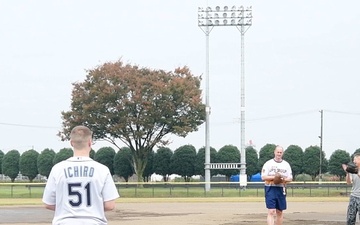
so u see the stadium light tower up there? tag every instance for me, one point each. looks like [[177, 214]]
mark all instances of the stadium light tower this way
[[321, 143], [241, 18]]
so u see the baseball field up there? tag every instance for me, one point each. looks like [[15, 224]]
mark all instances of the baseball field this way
[[212, 211]]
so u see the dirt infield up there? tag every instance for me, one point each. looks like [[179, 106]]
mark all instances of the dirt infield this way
[[314, 212]]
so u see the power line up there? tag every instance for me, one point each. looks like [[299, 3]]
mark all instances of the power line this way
[[27, 125], [342, 112], [283, 115]]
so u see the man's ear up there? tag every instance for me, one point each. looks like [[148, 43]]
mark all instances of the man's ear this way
[[71, 143]]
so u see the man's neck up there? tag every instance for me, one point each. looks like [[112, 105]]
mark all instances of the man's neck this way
[[81, 153], [278, 159]]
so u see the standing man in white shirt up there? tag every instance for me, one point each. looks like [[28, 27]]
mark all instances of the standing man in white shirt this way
[[80, 189], [353, 209], [275, 194]]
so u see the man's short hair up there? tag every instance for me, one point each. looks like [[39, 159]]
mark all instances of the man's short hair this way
[[80, 135]]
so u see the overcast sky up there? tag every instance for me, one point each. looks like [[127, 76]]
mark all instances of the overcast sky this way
[[300, 57]]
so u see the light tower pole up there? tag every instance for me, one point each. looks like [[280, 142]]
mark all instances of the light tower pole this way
[[321, 143], [241, 18]]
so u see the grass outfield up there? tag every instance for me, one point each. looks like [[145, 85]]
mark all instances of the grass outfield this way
[[37, 201]]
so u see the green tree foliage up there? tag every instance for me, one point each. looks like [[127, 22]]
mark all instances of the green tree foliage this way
[[10, 165], [337, 158], [28, 164], [251, 162], [294, 156], [149, 170], [200, 161], [137, 106], [266, 153], [1, 160], [183, 161], [105, 156], [162, 159], [45, 162], [312, 160], [228, 154], [62, 155], [92, 153], [123, 163]]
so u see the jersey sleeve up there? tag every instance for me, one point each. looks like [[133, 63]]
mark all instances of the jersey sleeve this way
[[289, 171], [49, 197], [110, 191], [265, 169]]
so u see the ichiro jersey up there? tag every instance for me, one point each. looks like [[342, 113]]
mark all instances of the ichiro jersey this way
[[78, 187]]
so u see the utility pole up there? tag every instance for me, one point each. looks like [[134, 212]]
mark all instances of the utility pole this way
[[321, 142]]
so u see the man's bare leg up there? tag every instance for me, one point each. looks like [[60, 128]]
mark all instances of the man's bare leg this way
[[271, 216], [279, 217]]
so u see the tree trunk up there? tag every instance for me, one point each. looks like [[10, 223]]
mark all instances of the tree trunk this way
[[139, 169]]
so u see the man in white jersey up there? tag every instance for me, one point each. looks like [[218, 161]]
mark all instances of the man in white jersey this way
[[354, 202], [80, 189], [275, 194]]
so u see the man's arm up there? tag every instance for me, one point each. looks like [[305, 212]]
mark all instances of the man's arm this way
[[50, 207], [109, 205], [267, 177], [348, 178]]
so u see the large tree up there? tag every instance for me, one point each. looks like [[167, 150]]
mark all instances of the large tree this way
[[45, 162], [162, 159], [138, 106], [200, 161], [337, 158], [10, 165], [149, 169], [294, 156], [123, 163], [62, 155], [183, 161], [28, 164], [105, 156], [251, 162], [266, 153], [312, 159], [228, 154]]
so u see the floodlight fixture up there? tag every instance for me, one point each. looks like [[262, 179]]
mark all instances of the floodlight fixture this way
[[209, 16]]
